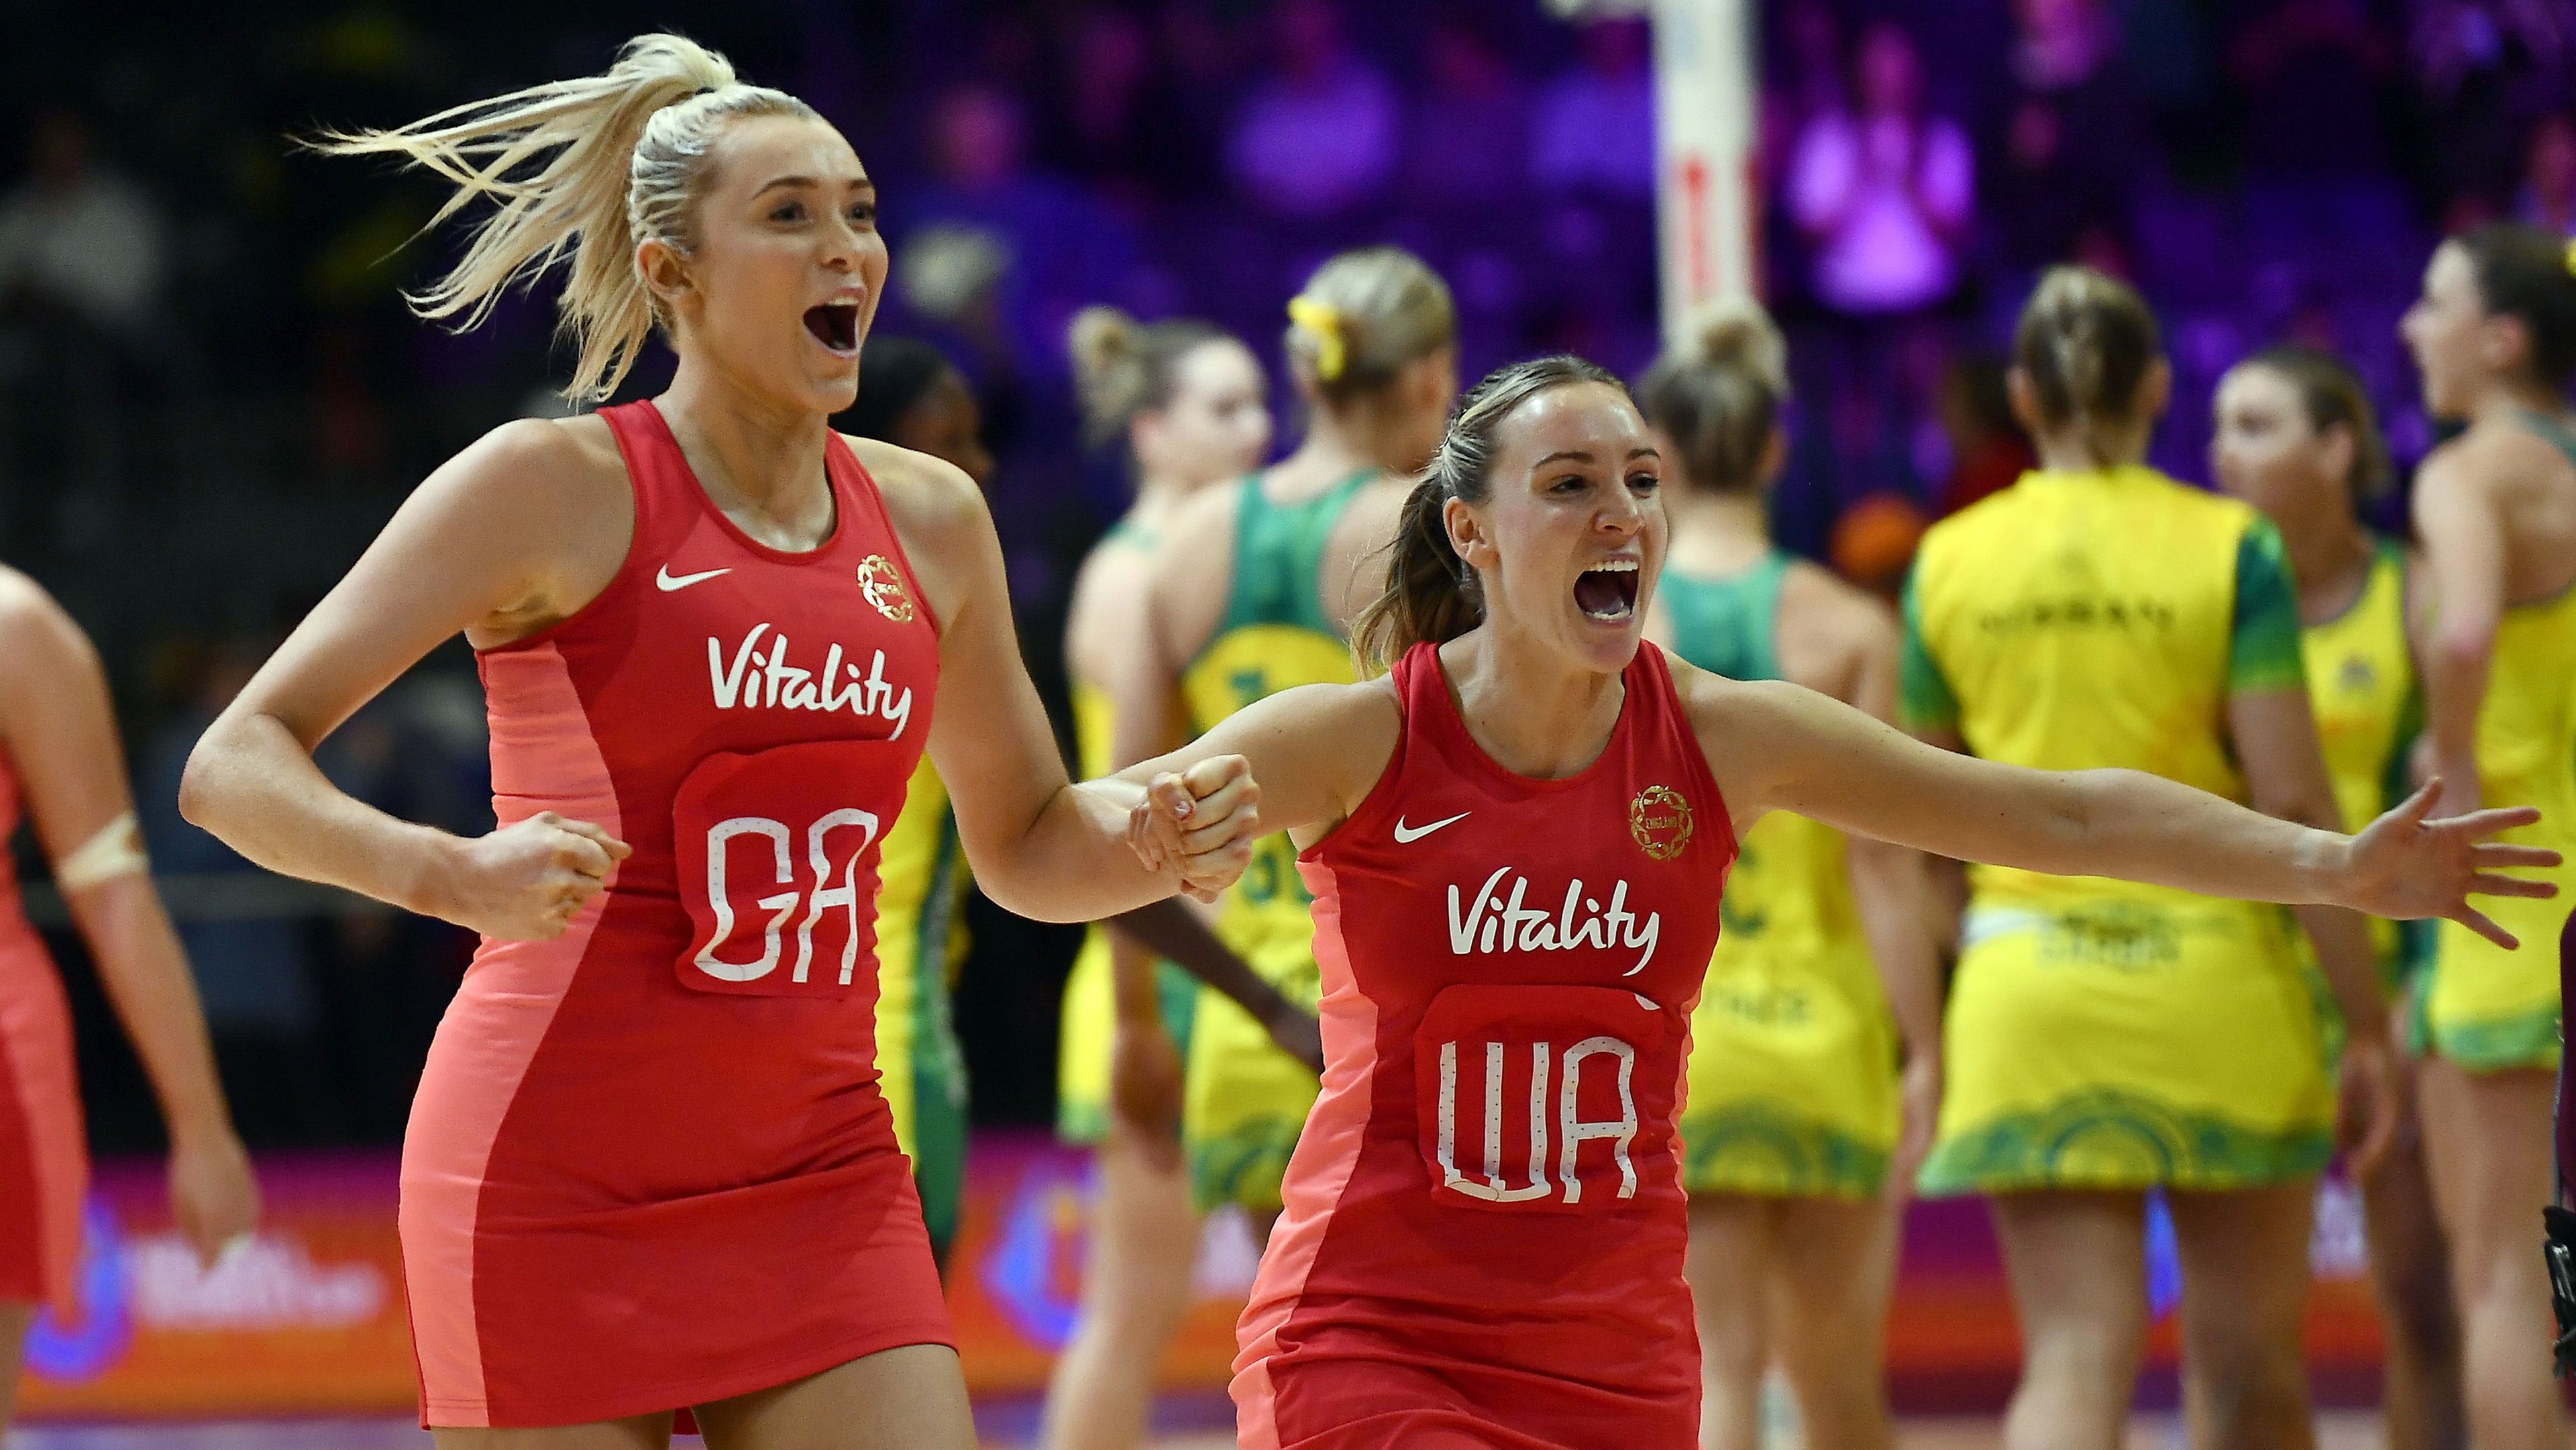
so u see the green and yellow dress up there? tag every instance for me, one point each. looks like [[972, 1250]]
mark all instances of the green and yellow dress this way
[[2485, 1008], [1793, 1051], [1090, 993], [921, 942], [2369, 709], [1245, 1101], [2105, 1034]]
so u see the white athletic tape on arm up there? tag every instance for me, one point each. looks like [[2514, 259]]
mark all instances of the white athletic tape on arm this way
[[117, 850]]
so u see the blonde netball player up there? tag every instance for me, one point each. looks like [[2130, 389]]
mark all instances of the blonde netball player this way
[[1185, 404], [2494, 337], [1792, 1151], [2295, 438], [59, 759], [650, 1168], [2103, 1038], [1253, 590]]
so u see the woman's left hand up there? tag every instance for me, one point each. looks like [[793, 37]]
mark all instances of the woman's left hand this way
[[213, 1194], [2404, 867], [1919, 1108], [1198, 826]]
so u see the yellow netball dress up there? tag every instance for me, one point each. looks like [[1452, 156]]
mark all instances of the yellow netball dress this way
[[1090, 1000], [1245, 1100], [2369, 709], [921, 941], [2105, 1034], [2486, 1008], [1793, 1050]]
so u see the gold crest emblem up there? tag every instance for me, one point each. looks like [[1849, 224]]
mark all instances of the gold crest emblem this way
[[1661, 821], [882, 583]]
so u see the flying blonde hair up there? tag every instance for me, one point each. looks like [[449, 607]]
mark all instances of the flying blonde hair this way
[[593, 167]]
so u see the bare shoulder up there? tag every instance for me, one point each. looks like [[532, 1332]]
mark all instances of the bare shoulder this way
[[43, 638], [2481, 460], [1187, 578], [1839, 630], [1723, 710], [1110, 593], [927, 497], [548, 467], [1852, 613], [1360, 536]]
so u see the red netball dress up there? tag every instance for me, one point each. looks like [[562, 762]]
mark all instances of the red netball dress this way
[[648, 1165], [1485, 1220], [44, 1167]]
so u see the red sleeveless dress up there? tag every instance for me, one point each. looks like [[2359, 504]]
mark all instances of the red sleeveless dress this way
[[44, 1160], [1485, 1221], [648, 1165]]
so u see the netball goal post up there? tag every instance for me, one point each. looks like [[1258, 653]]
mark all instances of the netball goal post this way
[[1706, 191]]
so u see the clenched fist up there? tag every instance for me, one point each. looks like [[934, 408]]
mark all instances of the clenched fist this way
[[1197, 827], [527, 880]]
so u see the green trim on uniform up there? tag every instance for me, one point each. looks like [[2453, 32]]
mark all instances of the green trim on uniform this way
[[938, 1063], [1279, 551], [1775, 1150], [2552, 430], [1243, 1166], [2495, 1044], [2111, 1138], [1728, 624], [2263, 630], [1924, 699]]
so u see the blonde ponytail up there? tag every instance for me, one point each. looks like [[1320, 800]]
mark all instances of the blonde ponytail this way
[[1720, 401], [2087, 341], [594, 167]]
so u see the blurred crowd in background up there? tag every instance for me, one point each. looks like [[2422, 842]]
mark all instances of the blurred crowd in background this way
[[211, 394]]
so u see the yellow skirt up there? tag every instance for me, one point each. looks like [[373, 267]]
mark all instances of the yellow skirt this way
[[1792, 1079], [2131, 1042], [1090, 1020], [2489, 1009]]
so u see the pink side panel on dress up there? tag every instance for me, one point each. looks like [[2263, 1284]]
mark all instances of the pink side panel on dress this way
[[36, 1042], [37, 1025], [1327, 1153], [508, 1000]]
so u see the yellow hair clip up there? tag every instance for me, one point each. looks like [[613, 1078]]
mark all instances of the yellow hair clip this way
[[1324, 320], [2571, 254]]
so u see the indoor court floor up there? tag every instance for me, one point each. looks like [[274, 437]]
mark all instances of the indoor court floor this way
[[2342, 1431]]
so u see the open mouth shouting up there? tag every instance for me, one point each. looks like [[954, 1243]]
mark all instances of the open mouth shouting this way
[[1607, 591], [835, 324]]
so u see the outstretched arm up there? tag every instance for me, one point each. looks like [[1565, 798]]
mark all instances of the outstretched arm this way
[[56, 723], [1777, 747]]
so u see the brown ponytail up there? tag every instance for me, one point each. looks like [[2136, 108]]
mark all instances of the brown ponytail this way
[[1431, 594]]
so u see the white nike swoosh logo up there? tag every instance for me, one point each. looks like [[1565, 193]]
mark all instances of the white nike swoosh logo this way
[[1406, 835], [666, 581]]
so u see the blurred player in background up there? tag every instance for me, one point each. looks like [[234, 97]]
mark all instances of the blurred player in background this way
[[1183, 403], [912, 397], [59, 756], [2294, 437], [2106, 1038], [2494, 337], [1253, 591], [1793, 1154]]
